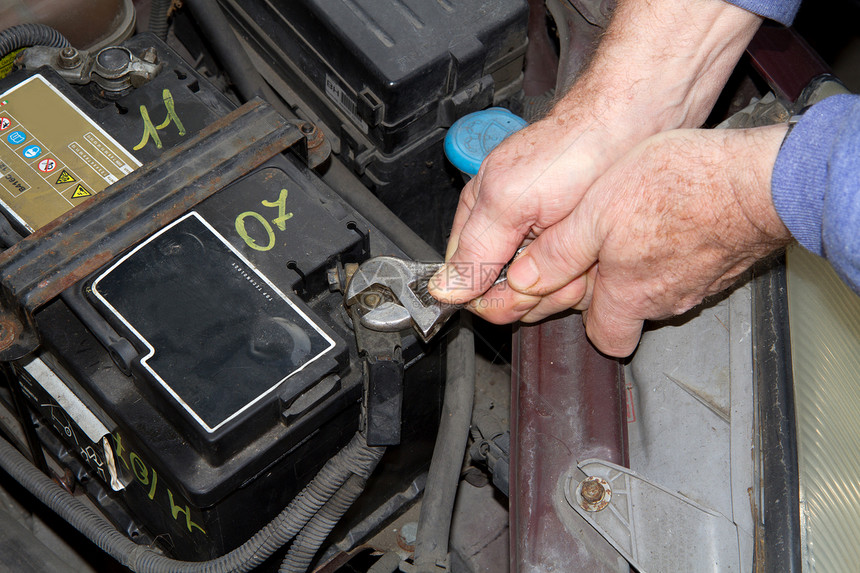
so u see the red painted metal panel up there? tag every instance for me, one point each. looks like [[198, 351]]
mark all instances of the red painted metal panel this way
[[567, 404]]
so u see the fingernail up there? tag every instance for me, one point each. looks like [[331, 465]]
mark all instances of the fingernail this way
[[449, 252], [523, 273]]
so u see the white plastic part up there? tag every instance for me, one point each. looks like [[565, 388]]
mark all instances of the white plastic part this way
[[824, 317]]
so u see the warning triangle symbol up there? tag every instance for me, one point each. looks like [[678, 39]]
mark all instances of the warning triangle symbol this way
[[80, 191], [65, 177]]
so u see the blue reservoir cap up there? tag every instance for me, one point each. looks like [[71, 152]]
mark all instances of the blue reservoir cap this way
[[474, 136]]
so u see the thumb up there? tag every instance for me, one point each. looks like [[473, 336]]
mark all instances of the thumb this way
[[559, 255]]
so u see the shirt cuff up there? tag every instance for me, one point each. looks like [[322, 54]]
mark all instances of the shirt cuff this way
[[801, 170], [782, 11]]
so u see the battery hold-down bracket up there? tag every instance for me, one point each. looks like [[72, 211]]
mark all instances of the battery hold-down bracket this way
[[37, 269]]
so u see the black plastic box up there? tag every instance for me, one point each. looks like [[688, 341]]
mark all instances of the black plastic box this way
[[387, 77]]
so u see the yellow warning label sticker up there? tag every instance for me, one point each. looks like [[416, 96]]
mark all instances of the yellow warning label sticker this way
[[73, 150], [65, 177], [80, 191]]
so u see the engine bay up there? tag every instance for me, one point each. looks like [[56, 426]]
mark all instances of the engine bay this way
[[188, 190]]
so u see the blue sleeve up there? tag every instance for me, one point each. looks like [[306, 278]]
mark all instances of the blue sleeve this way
[[816, 184], [782, 11]]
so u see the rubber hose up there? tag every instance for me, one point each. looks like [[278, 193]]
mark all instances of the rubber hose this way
[[434, 521], [312, 536], [229, 51], [355, 458], [26, 35], [158, 10]]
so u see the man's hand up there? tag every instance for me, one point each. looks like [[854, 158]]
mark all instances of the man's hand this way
[[679, 218], [660, 66], [532, 181]]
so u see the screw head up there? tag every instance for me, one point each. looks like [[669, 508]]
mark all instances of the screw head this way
[[593, 493], [69, 58]]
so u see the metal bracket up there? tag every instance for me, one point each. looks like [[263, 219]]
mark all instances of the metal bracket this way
[[652, 527], [314, 148], [38, 268]]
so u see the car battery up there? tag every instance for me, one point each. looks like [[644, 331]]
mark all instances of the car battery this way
[[387, 77], [196, 381]]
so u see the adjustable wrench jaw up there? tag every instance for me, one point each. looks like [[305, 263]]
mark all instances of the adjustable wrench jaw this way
[[390, 294]]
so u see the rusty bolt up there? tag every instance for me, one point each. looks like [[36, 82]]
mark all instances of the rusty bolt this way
[[314, 136], [593, 493], [66, 481], [69, 58], [9, 330], [407, 535]]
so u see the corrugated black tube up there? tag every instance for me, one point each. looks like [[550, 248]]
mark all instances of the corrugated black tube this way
[[312, 536], [158, 17], [355, 458], [26, 35]]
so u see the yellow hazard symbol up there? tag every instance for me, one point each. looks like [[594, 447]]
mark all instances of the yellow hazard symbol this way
[[80, 191], [65, 177]]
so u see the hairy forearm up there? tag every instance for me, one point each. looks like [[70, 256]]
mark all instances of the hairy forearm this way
[[660, 65]]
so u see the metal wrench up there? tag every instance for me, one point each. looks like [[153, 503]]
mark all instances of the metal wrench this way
[[391, 294]]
